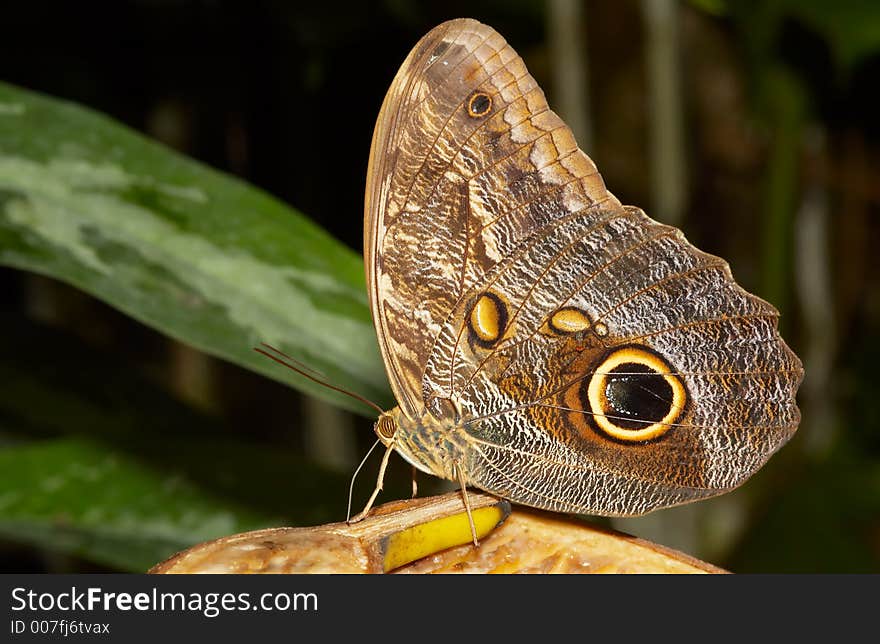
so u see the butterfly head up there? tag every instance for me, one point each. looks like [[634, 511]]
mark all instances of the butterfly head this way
[[386, 427], [429, 444]]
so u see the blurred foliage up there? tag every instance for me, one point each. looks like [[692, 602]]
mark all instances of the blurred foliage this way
[[99, 504], [177, 246], [120, 444], [108, 467], [850, 29]]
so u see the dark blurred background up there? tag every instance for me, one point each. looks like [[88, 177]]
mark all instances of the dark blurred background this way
[[752, 126]]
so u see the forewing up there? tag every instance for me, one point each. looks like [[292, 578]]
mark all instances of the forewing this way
[[467, 160]]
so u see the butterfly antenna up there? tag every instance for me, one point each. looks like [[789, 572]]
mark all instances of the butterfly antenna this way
[[307, 372], [289, 358], [354, 476]]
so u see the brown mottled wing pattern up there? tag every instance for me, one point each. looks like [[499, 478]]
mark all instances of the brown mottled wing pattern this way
[[437, 177], [504, 278]]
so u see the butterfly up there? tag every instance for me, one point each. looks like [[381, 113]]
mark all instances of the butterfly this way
[[544, 342]]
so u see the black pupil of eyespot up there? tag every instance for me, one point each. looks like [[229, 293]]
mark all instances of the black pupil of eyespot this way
[[637, 396], [480, 104]]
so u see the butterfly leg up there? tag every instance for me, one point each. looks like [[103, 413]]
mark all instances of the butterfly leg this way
[[379, 482], [415, 483], [459, 472]]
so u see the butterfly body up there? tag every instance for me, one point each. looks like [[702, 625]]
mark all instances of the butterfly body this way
[[545, 342]]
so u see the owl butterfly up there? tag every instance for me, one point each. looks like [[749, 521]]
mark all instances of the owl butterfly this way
[[544, 342]]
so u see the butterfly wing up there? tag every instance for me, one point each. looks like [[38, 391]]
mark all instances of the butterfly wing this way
[[594, 360], [422, 245]]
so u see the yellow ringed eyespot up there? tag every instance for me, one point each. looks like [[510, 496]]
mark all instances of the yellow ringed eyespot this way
[[634, 395], [488, 319], [479, 104]]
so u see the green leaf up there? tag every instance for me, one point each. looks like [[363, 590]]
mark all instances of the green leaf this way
[[194, 253], [90, 500]]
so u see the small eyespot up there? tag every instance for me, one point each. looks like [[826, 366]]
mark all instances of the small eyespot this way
[[568, 320], [634, 395], [479, 104], [487, 320]]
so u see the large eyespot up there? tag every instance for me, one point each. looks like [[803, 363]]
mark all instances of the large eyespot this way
[[479, 104], [634, 395], [487, 320]]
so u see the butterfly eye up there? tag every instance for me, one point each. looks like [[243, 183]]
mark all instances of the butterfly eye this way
[[385, 427], [479, 104], [634, 396], [487, 320]]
